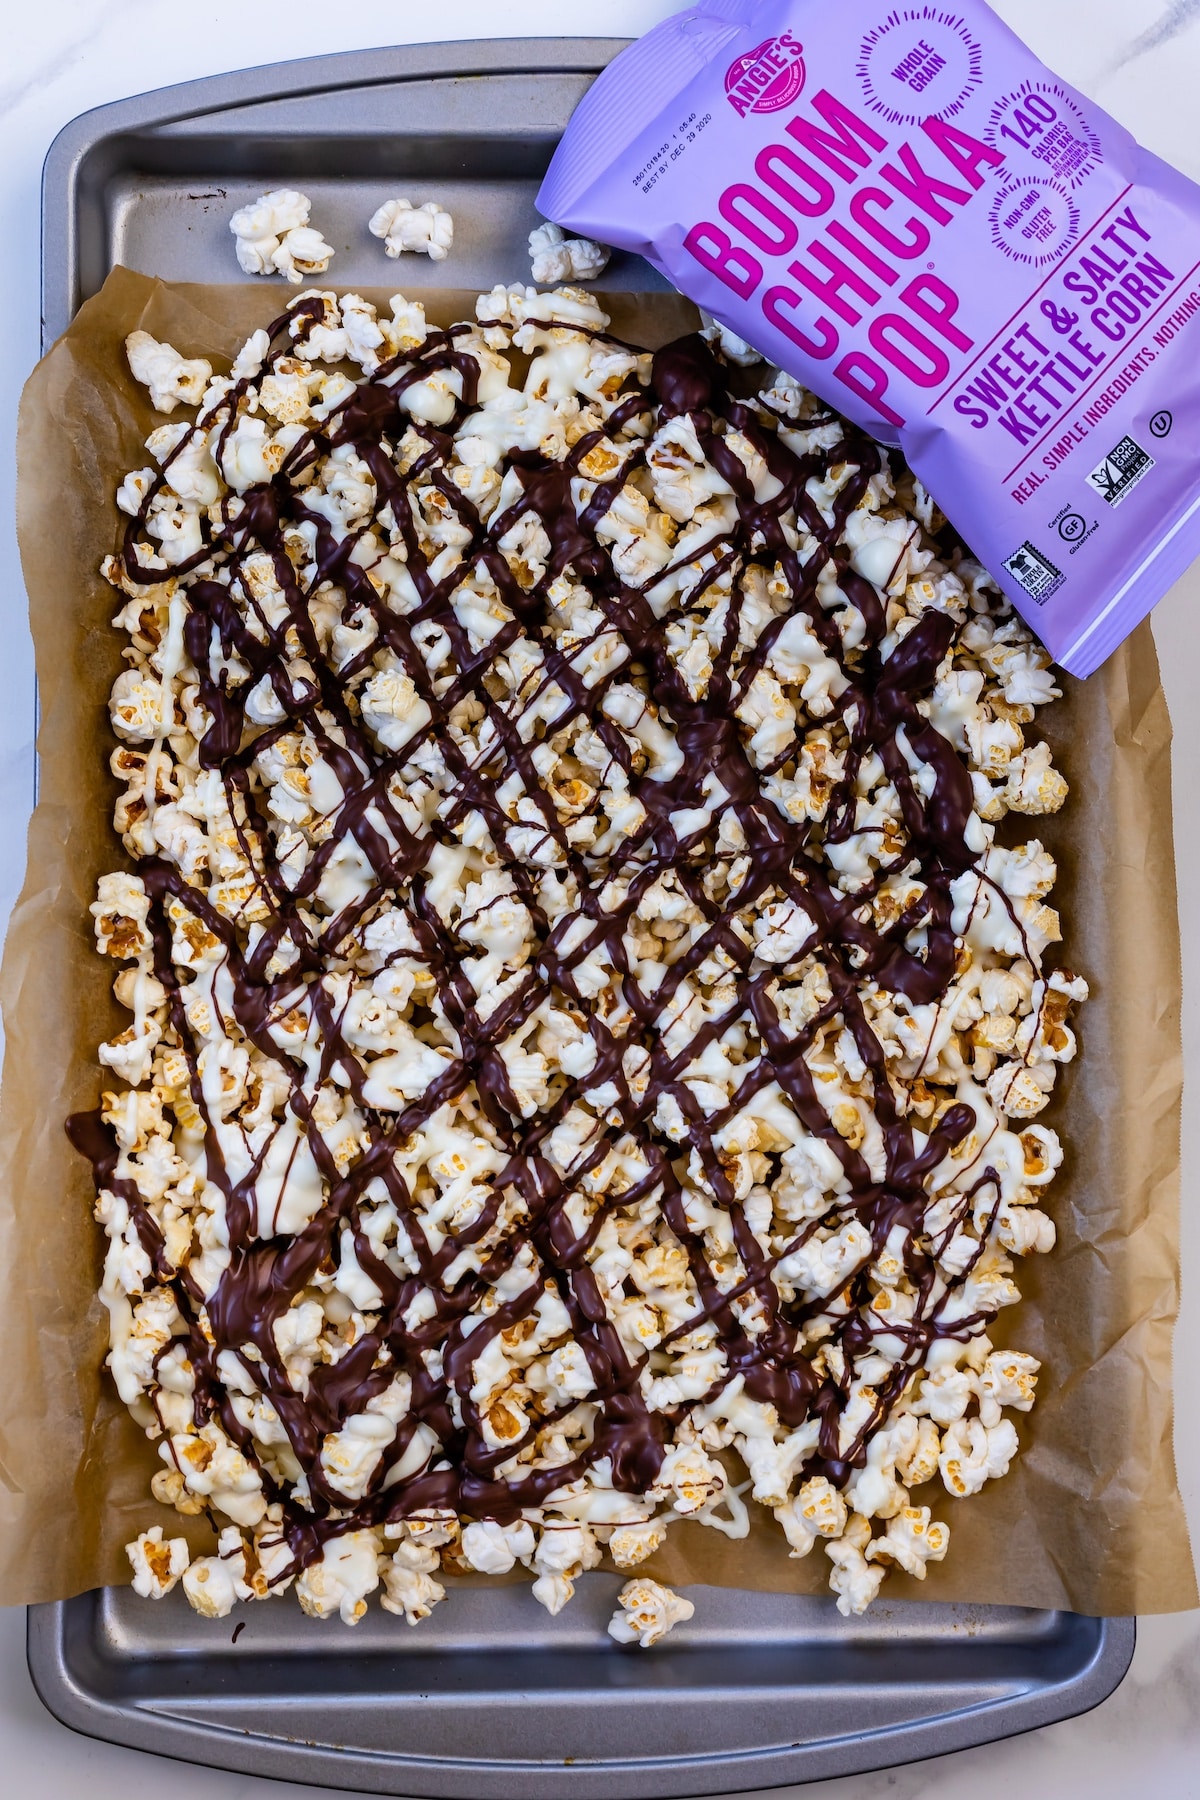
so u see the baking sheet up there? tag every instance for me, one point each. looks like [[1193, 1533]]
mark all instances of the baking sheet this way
[[806, 1694]]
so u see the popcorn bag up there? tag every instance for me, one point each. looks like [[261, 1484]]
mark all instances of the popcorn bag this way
[[1089, 1515], [911, 214]]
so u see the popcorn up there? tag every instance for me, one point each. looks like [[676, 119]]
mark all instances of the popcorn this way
[[912, 1541], [300, 254], [690, 1477], [171, 378], [556, 257], [121, 910], [157, 1564], [553, 1591], [273, 237], [632, 1544], [817, 1510], [212, 1466], [214, 1584], [648, 1612], [493, 1548], [409, 1592], [538, 1008], [854, 1580], [733, 348], [348, 1570], [1017, 1091], [426, 230], [783, 930], [1033, 786], [565, 1549], [1008, 1378], [973, 1453]]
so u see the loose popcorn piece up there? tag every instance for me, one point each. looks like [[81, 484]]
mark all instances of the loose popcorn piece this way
[[214, 1584], [555, 257], [648, 1612], [273, 237], [911, 1540], [339, 1581], [171, 378], [588, 1054], [855, 1581], [426, 230], [409, 1587], [729, 345], [818, 1510], [157, 1565]]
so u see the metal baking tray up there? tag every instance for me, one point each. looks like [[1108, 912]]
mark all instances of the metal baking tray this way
[[490, 1698], [151, 182]]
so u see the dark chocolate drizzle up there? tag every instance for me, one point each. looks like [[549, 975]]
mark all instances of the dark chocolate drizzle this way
[[914, 955]]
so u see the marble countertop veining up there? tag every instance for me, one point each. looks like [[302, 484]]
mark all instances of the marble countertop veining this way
[[1141, 60]]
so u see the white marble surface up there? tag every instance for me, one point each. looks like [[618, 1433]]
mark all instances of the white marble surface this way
[[1141, 59]]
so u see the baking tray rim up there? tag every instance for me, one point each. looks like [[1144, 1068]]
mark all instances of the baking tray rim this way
[[160, 1732]]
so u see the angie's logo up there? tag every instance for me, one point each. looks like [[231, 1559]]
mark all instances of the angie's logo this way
[[766, 79]]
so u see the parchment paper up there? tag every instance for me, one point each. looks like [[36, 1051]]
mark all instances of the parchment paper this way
[[1089, 1516]]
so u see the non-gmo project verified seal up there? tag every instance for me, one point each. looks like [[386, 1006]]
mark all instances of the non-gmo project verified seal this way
[[1035, 572], [1121, 470]]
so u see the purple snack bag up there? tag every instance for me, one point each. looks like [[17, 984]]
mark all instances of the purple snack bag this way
[[907, 211]]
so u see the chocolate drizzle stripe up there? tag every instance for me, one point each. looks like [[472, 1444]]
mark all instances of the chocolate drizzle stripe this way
[[877, 703]]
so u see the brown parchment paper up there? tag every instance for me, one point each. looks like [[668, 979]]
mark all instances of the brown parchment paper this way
[[1089, 1516]]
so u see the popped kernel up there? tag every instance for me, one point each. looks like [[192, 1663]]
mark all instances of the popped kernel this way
[[273, 237]]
